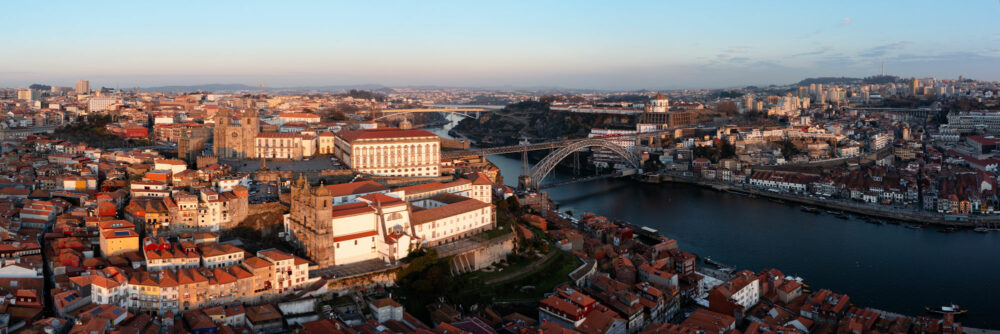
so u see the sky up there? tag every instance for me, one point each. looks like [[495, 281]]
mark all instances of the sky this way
[[616, 45]]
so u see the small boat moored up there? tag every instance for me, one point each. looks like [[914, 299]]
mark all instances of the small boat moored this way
[[953, 309], [809, 209]]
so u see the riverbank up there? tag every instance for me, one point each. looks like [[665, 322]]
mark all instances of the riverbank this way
[[858, 209], [724, 272]]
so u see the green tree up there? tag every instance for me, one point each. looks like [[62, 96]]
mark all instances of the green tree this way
[[788, 148]]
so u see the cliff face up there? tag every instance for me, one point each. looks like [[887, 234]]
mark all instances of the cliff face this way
[[535, 121]]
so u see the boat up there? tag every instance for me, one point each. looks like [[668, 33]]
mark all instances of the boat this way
[[947, 230], [809, 209], [953, 309], [737, 193], [914, 226], [981, 229], [874, 221]]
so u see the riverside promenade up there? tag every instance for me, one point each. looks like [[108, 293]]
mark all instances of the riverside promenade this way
[[906, 215]]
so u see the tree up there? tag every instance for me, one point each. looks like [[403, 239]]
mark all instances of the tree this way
[[549, 98], [726, 149], [788, 148], [726, 107]]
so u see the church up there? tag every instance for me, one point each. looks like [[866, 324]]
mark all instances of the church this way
[[239, 137], [235, 137]]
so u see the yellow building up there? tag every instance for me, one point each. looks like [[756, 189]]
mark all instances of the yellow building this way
[[118, 237]]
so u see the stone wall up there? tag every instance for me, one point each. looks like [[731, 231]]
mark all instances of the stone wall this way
[[363, 281], [487, 253], [454, 144]]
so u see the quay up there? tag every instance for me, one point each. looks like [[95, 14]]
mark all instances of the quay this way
[[858, 209]]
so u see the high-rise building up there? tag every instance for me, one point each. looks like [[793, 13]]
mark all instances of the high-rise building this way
[[82, 86], [28, 94]]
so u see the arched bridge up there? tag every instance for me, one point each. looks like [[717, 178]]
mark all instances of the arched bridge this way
[[464, 112], [544, 167]]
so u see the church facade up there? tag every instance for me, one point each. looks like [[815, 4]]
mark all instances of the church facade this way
[[235, 137]]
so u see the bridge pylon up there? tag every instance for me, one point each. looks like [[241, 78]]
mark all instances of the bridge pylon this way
[[524, 182]]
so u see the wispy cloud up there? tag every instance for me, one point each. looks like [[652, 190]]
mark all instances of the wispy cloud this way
[[820, 51], [882, 50], [731, 52], [845, 21]]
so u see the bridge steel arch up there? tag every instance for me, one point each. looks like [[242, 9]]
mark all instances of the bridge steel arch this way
[[544, 167], [403, 112]]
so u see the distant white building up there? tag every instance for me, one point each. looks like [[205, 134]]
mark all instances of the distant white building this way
[[99, 104]]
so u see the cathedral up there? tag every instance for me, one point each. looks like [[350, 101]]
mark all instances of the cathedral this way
[[235, 138]]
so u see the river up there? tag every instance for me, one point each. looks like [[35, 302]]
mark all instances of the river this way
[[888, 267]]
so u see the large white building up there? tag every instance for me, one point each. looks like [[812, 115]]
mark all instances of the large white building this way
[[659, 104], [361, 221], [326, 142], [98, 104], [451, 217], [479, 188], [282, 145], [390, 152], [298, 117]]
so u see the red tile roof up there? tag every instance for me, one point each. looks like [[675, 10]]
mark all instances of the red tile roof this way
[[353, 188], [353, 236], [388, 133], [429, 215]]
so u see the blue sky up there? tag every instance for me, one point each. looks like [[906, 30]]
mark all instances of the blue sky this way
[[572, 44]]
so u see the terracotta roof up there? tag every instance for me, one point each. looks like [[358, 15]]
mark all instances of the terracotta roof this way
[[379, 303], [120, 233], [388, 133], [429, 215], [481, 179], [275, 254], [353, 236], [432, 186], [353, 188], [298, 115], [350, 209], [278, 135], [256, 262], [383, 199]]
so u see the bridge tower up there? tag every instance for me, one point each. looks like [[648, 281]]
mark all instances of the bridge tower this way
[[524, 181]]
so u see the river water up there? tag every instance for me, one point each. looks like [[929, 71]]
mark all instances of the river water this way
[[888, 267]]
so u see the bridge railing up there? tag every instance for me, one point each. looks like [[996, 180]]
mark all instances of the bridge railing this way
[[543, 145]]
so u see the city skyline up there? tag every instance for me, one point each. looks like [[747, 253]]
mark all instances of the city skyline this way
[[585, 45]]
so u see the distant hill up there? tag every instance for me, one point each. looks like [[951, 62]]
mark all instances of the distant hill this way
[[232, 87], [202, 88], [881, 79], [829, 81]]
